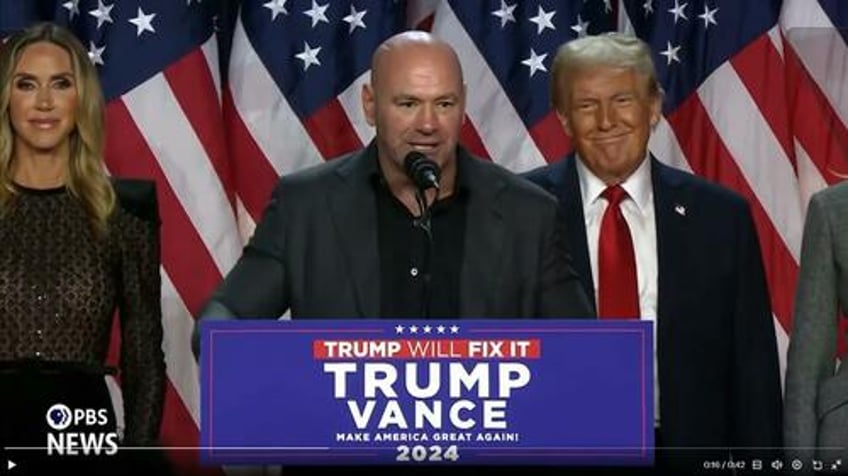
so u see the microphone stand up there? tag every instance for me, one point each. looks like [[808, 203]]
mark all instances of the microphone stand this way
[[422, 221]]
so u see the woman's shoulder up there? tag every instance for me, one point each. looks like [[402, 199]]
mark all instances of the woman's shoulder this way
[[137, 197]]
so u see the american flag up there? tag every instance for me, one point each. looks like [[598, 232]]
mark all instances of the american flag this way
[[756, 99]]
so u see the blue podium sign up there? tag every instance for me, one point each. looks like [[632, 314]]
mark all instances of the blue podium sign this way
[[454, 392]]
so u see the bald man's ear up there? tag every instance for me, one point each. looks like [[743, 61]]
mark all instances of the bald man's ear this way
[[464, 104], [369, 105]]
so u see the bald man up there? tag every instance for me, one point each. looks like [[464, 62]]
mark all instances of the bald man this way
[[356, 237]]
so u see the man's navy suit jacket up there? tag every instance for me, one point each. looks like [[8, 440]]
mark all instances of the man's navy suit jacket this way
[[718, 367]]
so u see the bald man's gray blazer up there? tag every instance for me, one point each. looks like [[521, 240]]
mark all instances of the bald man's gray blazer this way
[[315, 251]]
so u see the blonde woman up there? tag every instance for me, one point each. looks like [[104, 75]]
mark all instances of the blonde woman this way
[[77, 247]]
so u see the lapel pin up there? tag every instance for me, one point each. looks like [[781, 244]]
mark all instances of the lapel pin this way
[[680, 209]]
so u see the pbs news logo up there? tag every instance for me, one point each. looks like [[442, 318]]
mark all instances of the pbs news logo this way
[[78, 441]]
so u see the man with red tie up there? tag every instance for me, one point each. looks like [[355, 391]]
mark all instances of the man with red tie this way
[[656, 243]]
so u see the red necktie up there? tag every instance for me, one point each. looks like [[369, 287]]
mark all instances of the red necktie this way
[[618, 295]]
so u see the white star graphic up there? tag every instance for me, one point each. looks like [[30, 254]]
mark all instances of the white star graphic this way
[[317, 13], [543, 20], [276, 7], [440, 329], [671, 53], [581, 27], [309, 56], [102, 13], [708, 16], [679, 11], [454, 329], [534, 62], [649, 7], [72, 7], [398, 329], [427, 329], [355, 19], [413, 329], [505, 13], [95, 54], [143, 22]]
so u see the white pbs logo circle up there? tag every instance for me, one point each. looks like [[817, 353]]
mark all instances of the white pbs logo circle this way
[[58, 416]]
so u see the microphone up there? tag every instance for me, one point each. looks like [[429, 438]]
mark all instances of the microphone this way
[[424, 174], [423, 171]]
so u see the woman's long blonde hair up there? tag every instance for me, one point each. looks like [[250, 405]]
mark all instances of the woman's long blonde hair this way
[[87, 178]]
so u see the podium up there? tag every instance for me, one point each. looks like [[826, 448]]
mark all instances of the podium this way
[[437, 392]]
